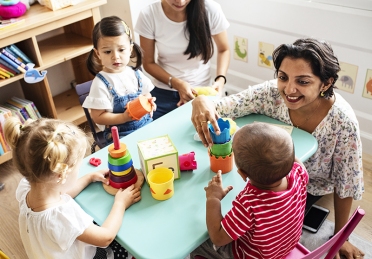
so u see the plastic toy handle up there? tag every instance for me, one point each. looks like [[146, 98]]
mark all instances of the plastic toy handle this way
[[115, 137]]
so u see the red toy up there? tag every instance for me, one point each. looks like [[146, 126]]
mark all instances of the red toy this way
[[95, 161]]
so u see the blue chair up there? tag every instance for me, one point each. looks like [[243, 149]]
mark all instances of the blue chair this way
[[83, 90]]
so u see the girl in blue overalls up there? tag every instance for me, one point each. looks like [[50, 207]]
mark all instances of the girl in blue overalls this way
[[116, 83]]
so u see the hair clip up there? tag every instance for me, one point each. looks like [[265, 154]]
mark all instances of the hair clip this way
[[127, 30]]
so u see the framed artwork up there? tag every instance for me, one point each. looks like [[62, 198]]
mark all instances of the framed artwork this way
[[347, 77], [367, 91], [240, 48], [265, 50]]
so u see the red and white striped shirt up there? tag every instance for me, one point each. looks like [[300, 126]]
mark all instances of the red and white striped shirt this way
[[267, 224]]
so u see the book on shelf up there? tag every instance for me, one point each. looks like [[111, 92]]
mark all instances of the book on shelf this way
[[13, 58], [6, 72], [1, 151], [15, 111], [25, 59], [30, 110], [12, 63], [22, 109], [12, 72], [2, 77], [9, 67], [4, 146], [30, 104]]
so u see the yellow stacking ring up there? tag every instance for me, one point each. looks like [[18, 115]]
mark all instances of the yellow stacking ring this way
[[122, 172]]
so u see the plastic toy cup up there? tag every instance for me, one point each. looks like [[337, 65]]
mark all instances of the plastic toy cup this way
[[223, 163], [139, 107], [222, 149], [225, 132], [161, 183]]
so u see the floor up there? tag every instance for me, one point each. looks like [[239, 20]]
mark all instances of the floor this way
[[11, 244]]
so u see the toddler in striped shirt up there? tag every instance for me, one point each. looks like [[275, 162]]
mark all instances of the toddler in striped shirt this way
[[266, 217]]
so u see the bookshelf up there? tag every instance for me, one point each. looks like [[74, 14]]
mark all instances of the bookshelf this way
[[73, 43]]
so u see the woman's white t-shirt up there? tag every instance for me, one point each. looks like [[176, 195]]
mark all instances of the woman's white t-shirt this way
[[171, 41]]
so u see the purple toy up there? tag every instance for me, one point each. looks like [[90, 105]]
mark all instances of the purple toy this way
[[187, 161]]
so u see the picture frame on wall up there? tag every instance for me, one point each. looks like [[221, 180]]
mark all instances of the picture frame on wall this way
[[347, 77], [367, 91]]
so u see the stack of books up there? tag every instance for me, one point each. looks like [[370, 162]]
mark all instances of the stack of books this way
[[20, 108], [12, 61]]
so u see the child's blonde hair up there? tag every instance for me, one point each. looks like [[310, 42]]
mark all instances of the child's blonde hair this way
[[44, 147]]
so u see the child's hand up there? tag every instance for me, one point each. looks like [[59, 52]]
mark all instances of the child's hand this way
[[100, 176], [215, 188], [153, 105], [128, 196]]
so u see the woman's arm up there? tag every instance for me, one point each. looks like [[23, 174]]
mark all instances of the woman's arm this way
[[149, 64], [223, 59]]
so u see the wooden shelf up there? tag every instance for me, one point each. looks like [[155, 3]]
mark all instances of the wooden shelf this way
[[63, 47], [5, 157], [69, 108], [74, 25]]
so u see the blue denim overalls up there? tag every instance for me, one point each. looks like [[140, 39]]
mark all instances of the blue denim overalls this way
[[120, 103]]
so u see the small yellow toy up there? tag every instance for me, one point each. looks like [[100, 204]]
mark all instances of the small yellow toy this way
[[205, 90]]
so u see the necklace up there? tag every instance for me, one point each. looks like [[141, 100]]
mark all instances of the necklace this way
[[34, 208], [308, 117]]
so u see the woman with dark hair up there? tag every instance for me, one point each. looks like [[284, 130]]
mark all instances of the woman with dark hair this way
[[303, 96], [182, 31]]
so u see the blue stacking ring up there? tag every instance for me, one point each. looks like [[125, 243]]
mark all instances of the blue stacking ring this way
[[119, 168]]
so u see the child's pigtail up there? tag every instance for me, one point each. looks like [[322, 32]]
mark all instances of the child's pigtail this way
[[137, 54], [56, 152], [12, 131], [93, 64]]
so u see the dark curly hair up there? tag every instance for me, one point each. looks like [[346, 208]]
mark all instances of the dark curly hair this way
[[319, 54]]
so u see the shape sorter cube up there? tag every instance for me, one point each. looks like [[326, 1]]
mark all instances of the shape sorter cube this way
[[158, 152]]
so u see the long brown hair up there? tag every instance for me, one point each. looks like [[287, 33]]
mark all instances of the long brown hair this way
[[200, 41]]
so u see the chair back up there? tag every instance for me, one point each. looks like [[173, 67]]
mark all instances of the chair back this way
[[83, 91], [332, 246]]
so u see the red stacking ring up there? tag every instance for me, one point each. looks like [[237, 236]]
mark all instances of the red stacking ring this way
[[124, 184], [124, 178]]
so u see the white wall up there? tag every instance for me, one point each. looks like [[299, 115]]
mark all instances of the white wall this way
[[283, 21]]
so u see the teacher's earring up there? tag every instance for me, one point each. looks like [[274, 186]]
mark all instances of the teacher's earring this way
[[322, 93]]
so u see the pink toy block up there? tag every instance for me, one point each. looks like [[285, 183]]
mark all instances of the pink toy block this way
[[187, 161]]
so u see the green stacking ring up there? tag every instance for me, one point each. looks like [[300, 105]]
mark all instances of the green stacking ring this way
[[222, 149], [120, 161]]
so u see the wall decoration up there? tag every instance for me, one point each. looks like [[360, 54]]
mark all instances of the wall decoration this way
[[265, 51], [367, 91], [241, 49], [347, 77]]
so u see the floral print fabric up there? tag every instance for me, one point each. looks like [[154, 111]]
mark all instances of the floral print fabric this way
[[337, 163]]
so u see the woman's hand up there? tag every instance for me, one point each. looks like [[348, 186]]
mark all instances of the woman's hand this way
[[204, 111], [184, 89], [349, 251]]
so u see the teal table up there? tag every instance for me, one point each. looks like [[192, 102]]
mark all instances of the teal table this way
[[171, 229]]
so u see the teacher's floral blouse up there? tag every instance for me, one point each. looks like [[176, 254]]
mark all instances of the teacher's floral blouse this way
[[337, 163]]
